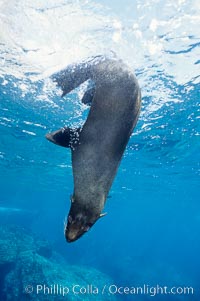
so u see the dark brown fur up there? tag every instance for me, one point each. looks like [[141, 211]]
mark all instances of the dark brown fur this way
[[95, 158]]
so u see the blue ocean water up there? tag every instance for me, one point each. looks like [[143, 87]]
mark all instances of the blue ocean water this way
[[150, 235]]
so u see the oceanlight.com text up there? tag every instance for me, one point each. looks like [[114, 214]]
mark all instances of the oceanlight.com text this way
[[150, 290]]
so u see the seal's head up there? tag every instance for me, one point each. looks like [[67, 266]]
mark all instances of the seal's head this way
[[79, 221]]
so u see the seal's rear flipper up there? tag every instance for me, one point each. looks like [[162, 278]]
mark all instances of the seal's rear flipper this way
[[65, 137]]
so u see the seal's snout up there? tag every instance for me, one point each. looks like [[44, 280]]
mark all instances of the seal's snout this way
[[76, 227], [80, 220], [73, 233], [70, 236]]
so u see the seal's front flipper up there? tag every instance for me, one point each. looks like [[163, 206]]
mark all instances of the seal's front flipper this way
[[88, 96], [65, 137]]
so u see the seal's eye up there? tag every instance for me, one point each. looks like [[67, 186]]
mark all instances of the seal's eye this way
[[78, 218]]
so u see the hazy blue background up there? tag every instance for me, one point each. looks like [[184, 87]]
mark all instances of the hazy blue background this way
[[151, 233]]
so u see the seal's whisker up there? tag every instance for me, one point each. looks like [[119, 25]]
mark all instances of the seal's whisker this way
[[65, 221]]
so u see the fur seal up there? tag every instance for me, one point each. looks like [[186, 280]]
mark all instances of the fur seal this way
[[98, 146]]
